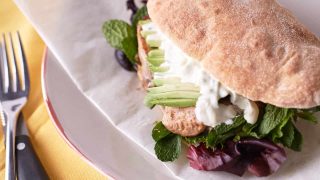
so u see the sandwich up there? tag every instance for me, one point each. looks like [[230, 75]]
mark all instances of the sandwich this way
[[231, 77]]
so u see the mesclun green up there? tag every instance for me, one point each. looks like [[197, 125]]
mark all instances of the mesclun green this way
[[121, 35], [276, 124]]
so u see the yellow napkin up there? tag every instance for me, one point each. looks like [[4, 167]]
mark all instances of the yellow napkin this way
[[58, 159]]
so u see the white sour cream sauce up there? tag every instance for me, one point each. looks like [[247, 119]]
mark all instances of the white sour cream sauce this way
[[208, 110]]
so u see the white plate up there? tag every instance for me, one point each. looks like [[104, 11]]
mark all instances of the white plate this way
[[87, 131]]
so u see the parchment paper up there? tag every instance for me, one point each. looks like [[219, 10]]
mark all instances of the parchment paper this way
[[72, 31]]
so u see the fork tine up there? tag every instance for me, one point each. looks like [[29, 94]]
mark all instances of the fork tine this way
[[1, 72], [4, 66], [15, 83], [25, 74]]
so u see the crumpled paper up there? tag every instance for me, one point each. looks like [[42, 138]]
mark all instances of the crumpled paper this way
[[72, 31]]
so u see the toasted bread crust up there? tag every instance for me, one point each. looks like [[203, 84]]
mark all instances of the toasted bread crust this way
[[255, 47]]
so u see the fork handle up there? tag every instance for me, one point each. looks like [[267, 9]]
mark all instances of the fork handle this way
[[10, 170], [28, 163]]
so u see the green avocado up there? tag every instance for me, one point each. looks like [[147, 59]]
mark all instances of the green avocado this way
[[182, 103], [153, 43], [156, 53], [143, 22], [173, 98], [162, 81], [155, 61], [158, 68], [145, 34], [187, 87]]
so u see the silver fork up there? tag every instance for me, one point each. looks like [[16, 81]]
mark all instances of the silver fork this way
[[14, 91]]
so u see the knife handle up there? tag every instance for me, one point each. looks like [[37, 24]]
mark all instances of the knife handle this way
[[28, 164]]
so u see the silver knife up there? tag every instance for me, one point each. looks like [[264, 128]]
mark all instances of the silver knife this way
[[28, 164]]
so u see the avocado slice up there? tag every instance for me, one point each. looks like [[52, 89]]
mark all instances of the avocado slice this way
[[155, 61], [145, 34], [143, 22], [174, 95], [174, 87], [158, 68], [156, 53], [153, 98], [162, 81], [182, 103], [153, 43]]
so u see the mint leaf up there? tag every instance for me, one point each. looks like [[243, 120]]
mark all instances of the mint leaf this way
[[272, 118], [223, 132], [224, 128], [129, 47], [298, 140], [288, 137], [116, 31], [159, 132], [121, 35], [309, 116], [248, 130], [141, 13], [277, 132], [291, 138], [314, 110], [168, 148]]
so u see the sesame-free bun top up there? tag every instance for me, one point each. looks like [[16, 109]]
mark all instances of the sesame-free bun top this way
[[256, 48]]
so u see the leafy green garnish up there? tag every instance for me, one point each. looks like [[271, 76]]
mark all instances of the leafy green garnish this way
[[277, 132], [168, 148], [116, 31], [168, 145], [141, 13], [219, 134], [130, 48], [273, 117], [122, 35], [313, 110], [224, 128], [159, 132], [291, 138], [248, 130], [308, 114], [297, 141], [277, 125], [202, 138]]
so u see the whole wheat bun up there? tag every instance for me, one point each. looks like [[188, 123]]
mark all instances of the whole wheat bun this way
[[254, 47]]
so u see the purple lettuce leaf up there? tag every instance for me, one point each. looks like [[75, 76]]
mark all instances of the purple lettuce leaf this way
[[259, 157]]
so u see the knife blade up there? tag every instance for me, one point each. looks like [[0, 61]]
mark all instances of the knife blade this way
[[28, 163]]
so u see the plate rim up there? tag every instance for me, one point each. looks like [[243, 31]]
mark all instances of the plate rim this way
[[54, 118]]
